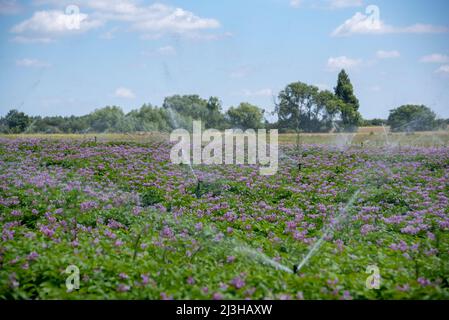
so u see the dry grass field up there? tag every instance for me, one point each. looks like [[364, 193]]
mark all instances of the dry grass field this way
[[366, 136]]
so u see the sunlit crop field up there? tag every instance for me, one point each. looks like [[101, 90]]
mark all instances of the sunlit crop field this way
[[373, 136], [138, 227], [365, 136]]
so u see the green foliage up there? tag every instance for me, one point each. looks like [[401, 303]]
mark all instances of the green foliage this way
[[374, 122], [151, 196], [294, 101], [213, 188], [16, 122], [303, 107], [245, 116], [411, 118], [177, 112], [108, 119], [215, 118], [344, 90], [183, 109], [149, 118]]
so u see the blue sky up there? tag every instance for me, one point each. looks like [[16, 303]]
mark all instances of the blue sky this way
[[127, 53]]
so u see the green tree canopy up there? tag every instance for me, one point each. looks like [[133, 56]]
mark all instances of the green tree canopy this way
[[149, 118], [183, 109], [108, 119], [412, 118], [192, 106], [245, 116], [304, 107], [215, 118], [16, 121]]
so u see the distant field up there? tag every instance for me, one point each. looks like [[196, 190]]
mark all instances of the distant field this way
[[372, 136], [368, 136]]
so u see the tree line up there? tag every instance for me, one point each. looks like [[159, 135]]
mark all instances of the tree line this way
[[176, 112], [299, 108]]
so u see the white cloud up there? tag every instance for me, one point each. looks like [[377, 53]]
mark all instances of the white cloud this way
[[258, 93], [153, 18], [381, 54], [295, 3], [345, 3], [34, 63], [53, 23], [435, 58], [375, 88], [360, 24], [343, 62], [443, 69], [370, 24], [152, 21], [124, 93], [118, 6], [158, 18], [167, 51]]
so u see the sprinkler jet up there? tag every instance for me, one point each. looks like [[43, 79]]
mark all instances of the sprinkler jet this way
[[249, 148]]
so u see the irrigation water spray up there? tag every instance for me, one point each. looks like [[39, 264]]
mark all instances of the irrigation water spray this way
[[238, 246], [328, 232], [262, 258], [172, 114]]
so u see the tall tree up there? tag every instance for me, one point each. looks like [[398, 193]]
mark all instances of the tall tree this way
[[344, 90]]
